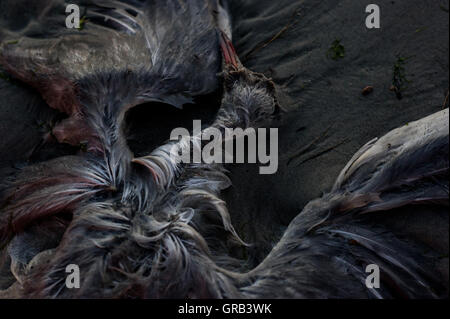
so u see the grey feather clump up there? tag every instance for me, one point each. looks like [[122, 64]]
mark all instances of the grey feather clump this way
[[135, 230], [151, 227], [326, 248], [151, 205]]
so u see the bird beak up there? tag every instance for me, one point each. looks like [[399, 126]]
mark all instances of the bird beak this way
[[229, 53]]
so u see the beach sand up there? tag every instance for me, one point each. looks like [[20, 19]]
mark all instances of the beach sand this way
[[324, 96]]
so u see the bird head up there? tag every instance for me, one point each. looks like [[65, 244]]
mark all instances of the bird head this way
[[246, 92]]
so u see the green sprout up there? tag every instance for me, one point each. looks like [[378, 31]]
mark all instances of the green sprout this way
[[5, 76], [83, 21], [399, 80], [12, 42], [84, 146], [336, 51], [421, 29]]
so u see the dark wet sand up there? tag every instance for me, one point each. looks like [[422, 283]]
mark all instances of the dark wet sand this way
[[323, 97], [323, 93]]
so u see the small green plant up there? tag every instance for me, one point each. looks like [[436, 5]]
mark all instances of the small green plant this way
[[83, 21], [84, 146], [336, 51], [5, 76], [421, 29], [399, 80], [12, 42]]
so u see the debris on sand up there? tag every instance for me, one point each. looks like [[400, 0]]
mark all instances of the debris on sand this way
[[83, 21], [264, 44], [445, 105], [10, 42], [336, 51], [399, 80], [4, 76], [367, 90]]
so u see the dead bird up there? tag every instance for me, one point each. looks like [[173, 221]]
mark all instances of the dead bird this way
[[130, 52], [147, 227], [168, 217]]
